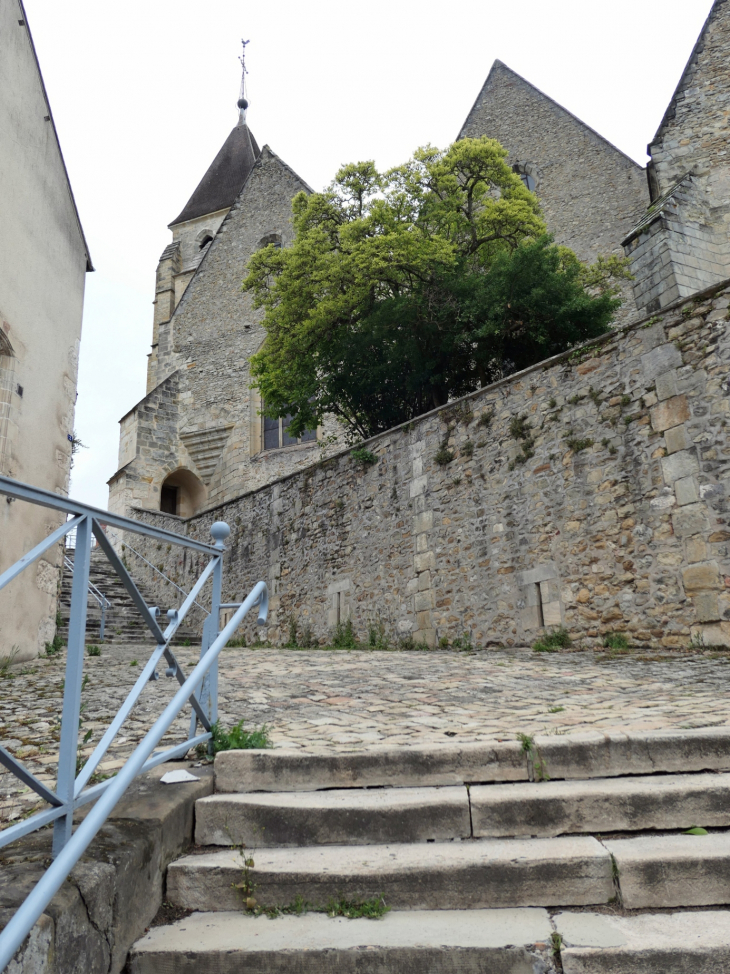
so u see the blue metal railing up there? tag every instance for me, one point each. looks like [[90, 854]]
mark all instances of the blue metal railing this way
[[97, 594], [199, 689]]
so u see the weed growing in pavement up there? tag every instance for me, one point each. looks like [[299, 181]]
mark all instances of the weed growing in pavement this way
[[93, 651], [237, 738], [371, 909], [536, 767], [556, 710]]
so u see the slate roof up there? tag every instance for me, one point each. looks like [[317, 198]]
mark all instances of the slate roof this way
[[223, 181]]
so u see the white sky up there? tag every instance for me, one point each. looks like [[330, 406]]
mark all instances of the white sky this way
[[144, 94]]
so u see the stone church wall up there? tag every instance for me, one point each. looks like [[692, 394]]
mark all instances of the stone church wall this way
[[590, 192], [589, 491]]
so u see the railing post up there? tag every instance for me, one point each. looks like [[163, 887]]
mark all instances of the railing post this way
[[72, 685], [220, 531]]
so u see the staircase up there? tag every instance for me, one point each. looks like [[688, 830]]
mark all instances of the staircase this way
[[555, 855], [123, 622]]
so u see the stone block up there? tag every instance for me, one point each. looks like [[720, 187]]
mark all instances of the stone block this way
[[707, 607], [424, 562], [423, 522], [686, 491], [402, 942], [469, 875], [672, 870], [701, 577], [671, 412], [689, 520], [550, 590], [423, 601], [539, 574], [679, 465], [553, 808], [666, 385], [418, 486], [659, 360], [552, 613], [531, 617], [351, 816], [677, 439]]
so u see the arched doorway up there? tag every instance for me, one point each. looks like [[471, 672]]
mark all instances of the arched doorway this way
[[182, 493]]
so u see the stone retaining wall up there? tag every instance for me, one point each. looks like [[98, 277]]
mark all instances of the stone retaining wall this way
[[114, 892], [588, 491]]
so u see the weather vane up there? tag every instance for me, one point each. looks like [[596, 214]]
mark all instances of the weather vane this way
[[242, 100]]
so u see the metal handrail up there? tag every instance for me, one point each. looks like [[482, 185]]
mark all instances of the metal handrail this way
[[199, 689], [103, 601], [154, 568]]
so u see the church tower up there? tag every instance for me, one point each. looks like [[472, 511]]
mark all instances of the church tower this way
[[195, 227], [198, 438]]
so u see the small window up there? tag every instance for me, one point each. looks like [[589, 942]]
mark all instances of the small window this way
[[270, 238], [524, 171], [205, 241], [276, 435]]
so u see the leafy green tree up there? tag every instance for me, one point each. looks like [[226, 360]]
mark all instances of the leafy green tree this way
[[408, 288]]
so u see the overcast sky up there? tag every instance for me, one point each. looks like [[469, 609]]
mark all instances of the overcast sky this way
[[144, 93]]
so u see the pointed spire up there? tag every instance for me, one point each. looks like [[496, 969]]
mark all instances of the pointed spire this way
[[242, 100]]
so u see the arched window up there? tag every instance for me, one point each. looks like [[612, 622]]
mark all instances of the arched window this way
[[205, 241], [526, 172], [182, 493], [270, 238]]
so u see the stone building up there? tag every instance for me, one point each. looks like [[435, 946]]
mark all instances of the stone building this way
[[43, 263], [681, 243], [198, 437], [591, 193]]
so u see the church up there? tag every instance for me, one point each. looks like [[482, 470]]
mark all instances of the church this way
[[198, 438]]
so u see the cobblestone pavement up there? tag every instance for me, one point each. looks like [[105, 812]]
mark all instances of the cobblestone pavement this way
[[343, 700]]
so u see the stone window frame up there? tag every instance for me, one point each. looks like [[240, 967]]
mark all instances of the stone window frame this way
[[527, 171], [257, 441], [310, 436], [543, 605], [204, 238]]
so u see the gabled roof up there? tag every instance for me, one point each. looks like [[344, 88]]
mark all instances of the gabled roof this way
[[89, 265], [501, 66], [697, 49], [223, 181]]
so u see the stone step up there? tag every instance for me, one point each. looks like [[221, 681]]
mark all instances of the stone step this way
[[353, 816], [360, 816], [444, 942], [483, 874], [447, 942], [646, 872], [581, 756], [664, 871], [675, 943]]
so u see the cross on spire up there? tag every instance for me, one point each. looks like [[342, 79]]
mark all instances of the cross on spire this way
[[242, 100]]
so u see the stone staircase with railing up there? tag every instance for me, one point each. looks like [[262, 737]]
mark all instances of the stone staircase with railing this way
[[123, 622], [569, 855]]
